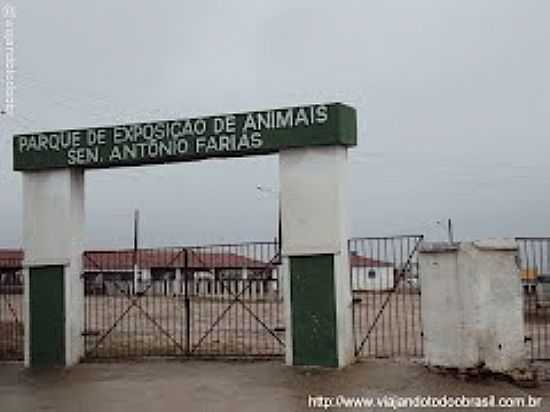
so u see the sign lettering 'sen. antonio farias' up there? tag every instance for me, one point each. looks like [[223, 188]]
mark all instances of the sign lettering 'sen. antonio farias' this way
[[228, 135]]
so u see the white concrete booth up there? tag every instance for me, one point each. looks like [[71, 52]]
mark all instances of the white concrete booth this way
[[472, 305]]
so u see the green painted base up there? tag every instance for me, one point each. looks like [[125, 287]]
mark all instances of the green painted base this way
[[47, 316], [313, 308]]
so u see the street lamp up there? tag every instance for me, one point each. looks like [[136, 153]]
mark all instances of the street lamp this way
[[269, 190]]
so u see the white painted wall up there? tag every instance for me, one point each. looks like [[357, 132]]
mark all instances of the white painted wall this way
[[383, 278], [344, 309], [445, 339], [286, 285], [313, 184], [502, 335], [472, 305], [53, 233], [313, 200]]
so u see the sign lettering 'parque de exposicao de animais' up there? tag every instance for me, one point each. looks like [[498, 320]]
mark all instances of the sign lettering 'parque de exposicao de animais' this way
[[228, 135]]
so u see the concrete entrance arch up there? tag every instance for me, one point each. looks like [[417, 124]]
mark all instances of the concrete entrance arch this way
[[312, 143]]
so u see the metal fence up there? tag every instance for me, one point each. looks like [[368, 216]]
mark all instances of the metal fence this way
[[534, 260], [11, 309], [208, 301], [384, 275], [226, 300]]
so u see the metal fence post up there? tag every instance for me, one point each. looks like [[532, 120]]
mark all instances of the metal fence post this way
[[187, 303]]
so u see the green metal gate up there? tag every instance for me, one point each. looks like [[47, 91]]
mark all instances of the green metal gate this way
[[47, 316]]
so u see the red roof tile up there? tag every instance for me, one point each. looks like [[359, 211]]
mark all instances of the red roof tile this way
[[159, 258], [169, 258], [364, 261], [11, 258]]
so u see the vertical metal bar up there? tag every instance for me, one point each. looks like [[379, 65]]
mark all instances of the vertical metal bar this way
[[364, 307], [248, 264], [546, 350], [224, 284], [392, 298], [179, 288], [544, 309], [5, 319], [536, 323], [187, 304], [403, 290], [383, 297], [3, 343], [419, 297], [407, 291], [235, 346], [353, 305], [235, 315], [527, 298], [372, 340], [3, 291]]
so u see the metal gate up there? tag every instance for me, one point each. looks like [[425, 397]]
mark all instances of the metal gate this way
[[11, 306], [534, 260], [198, 301], [385, 281]]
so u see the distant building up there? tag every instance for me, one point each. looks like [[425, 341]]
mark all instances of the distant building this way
[[371, 274], [161, 271], [171, 272], [529, 279], [11, 275]]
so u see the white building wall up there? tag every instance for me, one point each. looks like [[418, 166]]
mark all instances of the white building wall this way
[[502, 336], [313, 176], [445, 339], [383, 278]]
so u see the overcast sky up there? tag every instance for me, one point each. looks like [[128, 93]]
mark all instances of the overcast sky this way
[[453, 101]]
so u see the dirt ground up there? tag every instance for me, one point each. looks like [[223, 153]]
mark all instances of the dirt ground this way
[[231, 386], [157, 325]]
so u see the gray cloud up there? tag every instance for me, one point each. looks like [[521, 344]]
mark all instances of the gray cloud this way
[[453, 100]]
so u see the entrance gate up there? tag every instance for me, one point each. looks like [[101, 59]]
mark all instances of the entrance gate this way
[[312, 143], [385, 282], [200, 301]]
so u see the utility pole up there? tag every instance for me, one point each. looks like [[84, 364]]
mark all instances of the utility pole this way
[[136, 229], [450, 234], [135, 257], [279, 221], [450, 230]]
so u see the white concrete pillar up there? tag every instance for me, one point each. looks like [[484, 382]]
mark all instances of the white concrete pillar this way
[[315, 272], [472, 308], [502, 337], [53, 238], [449, 340]]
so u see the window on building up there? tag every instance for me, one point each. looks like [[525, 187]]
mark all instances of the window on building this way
[[372, 274]]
